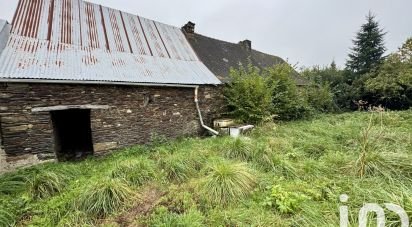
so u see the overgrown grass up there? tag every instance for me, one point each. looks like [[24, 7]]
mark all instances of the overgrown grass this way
[[12, 184], [104, 197], [239, 148], [46, 184], [227, 182], [284, 174], [162, 217], [7, 216], [135, 172], [76, 218], [179, 166]]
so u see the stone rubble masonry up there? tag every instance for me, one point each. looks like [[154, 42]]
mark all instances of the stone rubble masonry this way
[[27, 137]]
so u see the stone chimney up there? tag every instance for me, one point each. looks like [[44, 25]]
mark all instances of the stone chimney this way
[[246, 44], [189, 28]]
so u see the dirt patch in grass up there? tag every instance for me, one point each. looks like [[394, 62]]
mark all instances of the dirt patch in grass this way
[[150, 197]]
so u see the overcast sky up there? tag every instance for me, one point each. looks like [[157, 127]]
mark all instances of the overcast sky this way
[[307, 32]]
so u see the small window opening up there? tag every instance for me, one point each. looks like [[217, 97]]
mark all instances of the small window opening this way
[[72, 134]]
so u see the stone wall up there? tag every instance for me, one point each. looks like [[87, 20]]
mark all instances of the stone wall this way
[[135, 113]]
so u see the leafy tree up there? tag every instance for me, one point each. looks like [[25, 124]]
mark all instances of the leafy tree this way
[[288, 102], [329, 90], [324, 74], [391, 85], [367, 52], [255, 96], [249, 95], [405, 52], [320, 97]]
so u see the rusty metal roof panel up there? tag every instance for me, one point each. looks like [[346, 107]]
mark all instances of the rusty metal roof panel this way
[[153, 38], [31, 17], [66, 20], [91, 26], [28, 58], [116, 34], [73, 40], [176, 43], [136, 35]]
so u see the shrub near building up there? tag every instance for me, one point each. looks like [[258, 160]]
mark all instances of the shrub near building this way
[[255, 95], [249, 95]]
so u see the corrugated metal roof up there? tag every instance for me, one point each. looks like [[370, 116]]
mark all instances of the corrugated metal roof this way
[[75, 40]]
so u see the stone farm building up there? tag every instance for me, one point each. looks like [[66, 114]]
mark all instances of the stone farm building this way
[[77, 78]]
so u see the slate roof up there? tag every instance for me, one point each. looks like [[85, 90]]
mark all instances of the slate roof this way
[[219, 56], [80, 42]]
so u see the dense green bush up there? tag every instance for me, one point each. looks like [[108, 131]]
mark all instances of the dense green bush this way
[[249, 95], [320, 98], [391, 84], [288, 102], [257, 95], [330, 89]]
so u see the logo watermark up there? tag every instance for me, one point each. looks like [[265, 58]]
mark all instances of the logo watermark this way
[[372, 207]]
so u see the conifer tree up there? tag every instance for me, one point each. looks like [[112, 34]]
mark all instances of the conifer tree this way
[[367, 52]]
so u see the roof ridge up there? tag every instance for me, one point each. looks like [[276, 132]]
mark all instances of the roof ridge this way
[[235, 44]]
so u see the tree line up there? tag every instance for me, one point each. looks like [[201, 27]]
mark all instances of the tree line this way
[[369, 79]]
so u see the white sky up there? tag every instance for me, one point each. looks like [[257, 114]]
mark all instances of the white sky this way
[[307, 32]]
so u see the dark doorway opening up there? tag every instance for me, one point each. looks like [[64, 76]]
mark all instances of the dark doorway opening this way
[[72, 134]]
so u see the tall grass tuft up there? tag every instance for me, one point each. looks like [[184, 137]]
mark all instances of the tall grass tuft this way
[[163, 217], [264, 158], [227, 182], [374, 159], [11, 209], [12, 184], [179, 166], [7, 218], [388, 164], [76, 219], [104, 197], [46, 184], [239, 148], [135, 172]]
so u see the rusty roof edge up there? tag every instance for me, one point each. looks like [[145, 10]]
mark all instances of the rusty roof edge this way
[[76, 82]]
